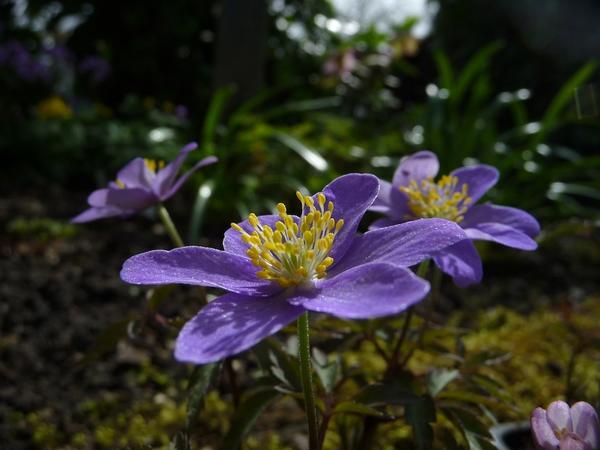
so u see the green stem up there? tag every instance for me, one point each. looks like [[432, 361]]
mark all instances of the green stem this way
[[307, 385], [170, 226]]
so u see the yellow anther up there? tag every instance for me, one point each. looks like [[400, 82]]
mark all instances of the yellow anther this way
[[120, 184], [443, 199], [293, 251]]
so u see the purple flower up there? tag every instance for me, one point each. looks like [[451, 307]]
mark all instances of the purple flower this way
[[139, 185], [276, 267], [562, 428], [413, 194], [96, 66]]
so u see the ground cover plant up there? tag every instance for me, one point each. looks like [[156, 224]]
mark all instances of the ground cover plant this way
[[350, 226]]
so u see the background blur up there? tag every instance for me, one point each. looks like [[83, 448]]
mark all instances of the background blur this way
[[288, 94]]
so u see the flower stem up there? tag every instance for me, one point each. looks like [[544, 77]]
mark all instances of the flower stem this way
[[170, 226], [306, 377]]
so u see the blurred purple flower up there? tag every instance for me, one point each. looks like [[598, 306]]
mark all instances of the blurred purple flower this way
[[277, 267], [181, 112], [562, 428], [96, 66], [14, 55], [413, 194], [139, 185], [341, 65]]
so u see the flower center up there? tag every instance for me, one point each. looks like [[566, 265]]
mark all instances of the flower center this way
[[293, 252], [152, 165], [429, 199]]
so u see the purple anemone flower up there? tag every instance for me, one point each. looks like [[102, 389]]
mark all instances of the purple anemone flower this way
[[139, 185], [414, 194], [276, 267], [562, 428]]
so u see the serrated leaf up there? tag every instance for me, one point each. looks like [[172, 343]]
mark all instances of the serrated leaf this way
[[420, 415], [438, 379], [245, 416]]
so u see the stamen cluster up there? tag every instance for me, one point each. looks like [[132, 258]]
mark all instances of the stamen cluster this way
[[429, 199], [293, 252], [153, 165]]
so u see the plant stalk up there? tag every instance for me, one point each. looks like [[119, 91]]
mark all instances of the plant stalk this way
[[170, 226], [307, 383]]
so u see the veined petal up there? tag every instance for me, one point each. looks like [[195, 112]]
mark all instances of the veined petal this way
[[462, 262], [199, 266], [391, 202], [183, 178], [104, 212], [233, 242], [135, 174], [351, 195], [165, 177], [585, 423], [559, 416], [572, 442], [502, 234], [403, 245], [512, 217], [382, 223], [231, 324], [479, 179], [420, 165], [366, 291], [543, 435]]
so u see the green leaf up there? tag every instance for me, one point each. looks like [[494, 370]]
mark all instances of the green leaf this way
[[387, 394], [360, 409], [438, 379], [204, 194], [277, 362], [211, 121], [202, 380], [420, 415], [247, 413], [328, 372], [311, 156], [179, 442]]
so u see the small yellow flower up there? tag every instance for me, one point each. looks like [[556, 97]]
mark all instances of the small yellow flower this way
[[54, 107]]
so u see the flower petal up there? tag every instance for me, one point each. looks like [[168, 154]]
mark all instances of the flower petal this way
[[135, 174], [403, 245], [382, 223], [559, 416], [512, 217], [585, 423], [417, 166], [502, 234], [127, 198], [383, 202], [392, 202], [166, 176], [199, 266], [233, 242], [479, 179], [366, 291], [183, 178], [94, 213], [543, 435], [570, 442], [351, 195], [231, 324], [462, 262]]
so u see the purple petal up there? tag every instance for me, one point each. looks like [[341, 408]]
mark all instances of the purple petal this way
[[559, 416], [416, 167], [231, 324], [182, 179], [166, 177], [94, 213], [462, 262], [128, 198], [403, 245], [572, 442], [502, 234], [199, 266], [479, 179], [585, 423], [512, 217], [351, 195], [544, 437], [135, 174], [233, 243], [366, 291], [382, 223], [391, 201]]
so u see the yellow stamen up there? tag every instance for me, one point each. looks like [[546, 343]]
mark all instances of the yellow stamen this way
[[120, 184], [294, 251], [443, 199], [153, 165]]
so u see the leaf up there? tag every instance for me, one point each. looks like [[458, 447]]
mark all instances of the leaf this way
[[328, 372], [473, 429], [213, 114], [246, 415], [438, 379], [203, 378], [179, 442], [420, 415], [204, 194], [277, 362], [157, 295], [311, 156], [360, 409], [387, 394]]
